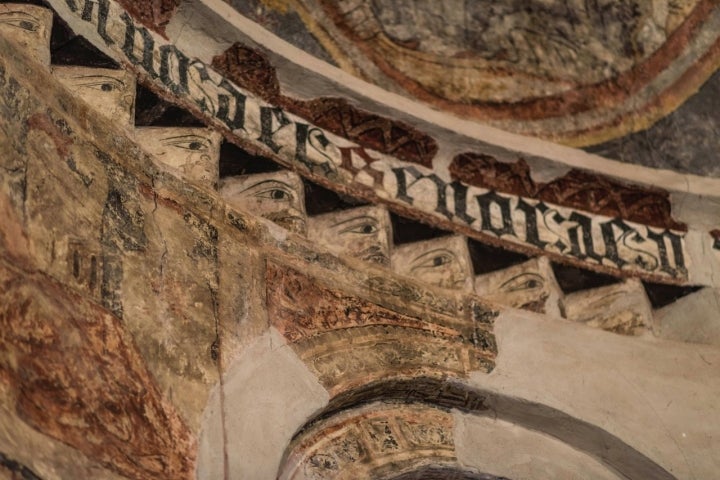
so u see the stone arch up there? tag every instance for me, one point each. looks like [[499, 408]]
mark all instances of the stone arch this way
[[481, 431]]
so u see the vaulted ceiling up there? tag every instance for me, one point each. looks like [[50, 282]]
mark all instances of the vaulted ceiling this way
[[633, 80]]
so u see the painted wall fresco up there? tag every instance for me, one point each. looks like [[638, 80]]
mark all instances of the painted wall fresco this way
[[363, 232], [347, 341], [530, 285], [374, 443], [136, 298], [192, 152], [277, 196], [621, 308], [574, 72], [443, 261], [110, 92], [30, 27], [593, 239], [684, 141]]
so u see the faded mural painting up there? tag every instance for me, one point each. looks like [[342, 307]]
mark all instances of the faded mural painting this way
[[525, 222], [363, 232], [183, 287]]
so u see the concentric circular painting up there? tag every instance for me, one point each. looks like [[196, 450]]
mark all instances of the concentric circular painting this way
[[578, 72]]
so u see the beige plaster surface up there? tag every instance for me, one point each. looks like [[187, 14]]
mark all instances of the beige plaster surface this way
[[505, 449], [110, 92], [363, 232], [443, 261], [268, 394], [28, 26], [659, 397], [277, 196], [621, 308], [695, 318], [530, 285], [193, 153]]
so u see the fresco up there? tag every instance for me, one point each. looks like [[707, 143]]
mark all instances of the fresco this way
[[588, 74], [596, 240]]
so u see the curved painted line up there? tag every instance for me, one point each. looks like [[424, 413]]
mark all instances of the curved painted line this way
[[370, 95], [597, 443], [265, 127]]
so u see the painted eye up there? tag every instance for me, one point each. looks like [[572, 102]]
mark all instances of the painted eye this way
[[526, 281], [20, 20], [105, 86], [362, 229], [441, 260], [436, 261], [276, 194], [192, 143], [25, 25]]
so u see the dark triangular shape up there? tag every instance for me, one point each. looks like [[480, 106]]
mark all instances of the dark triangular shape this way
[[573, 279], [153, 111], [661, 295], [486, 258], [236, 161], [319, 200], [406, 230]]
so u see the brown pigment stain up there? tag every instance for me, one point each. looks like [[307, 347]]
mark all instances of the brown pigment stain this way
[[79, 379], [43, 123], [715, 234], [154, 14], [148, 192], [579, 189], [253, 71]]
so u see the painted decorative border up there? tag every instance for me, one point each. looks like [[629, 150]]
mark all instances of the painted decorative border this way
[[594, 241]]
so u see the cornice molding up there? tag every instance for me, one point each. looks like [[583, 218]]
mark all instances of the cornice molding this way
[[612, 245]]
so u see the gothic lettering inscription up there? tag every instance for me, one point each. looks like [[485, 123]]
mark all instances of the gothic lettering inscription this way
[[591, 238]]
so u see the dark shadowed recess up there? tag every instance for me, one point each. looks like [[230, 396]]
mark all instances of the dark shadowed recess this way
[[236, 161], [319, 200], [487, 258], [153, 111], [66, 48], [661, 295], [445, 473], [406, 230], [573, 279], [447, 394]]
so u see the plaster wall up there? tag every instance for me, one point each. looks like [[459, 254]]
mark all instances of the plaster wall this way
[[183, 318]]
